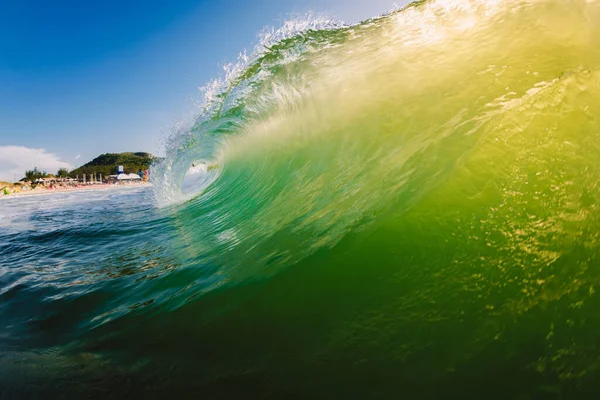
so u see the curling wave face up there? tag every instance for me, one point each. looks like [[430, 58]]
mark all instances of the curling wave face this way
[[335, 128], [407, 205]]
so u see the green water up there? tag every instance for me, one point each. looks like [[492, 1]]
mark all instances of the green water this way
[[405, 208]]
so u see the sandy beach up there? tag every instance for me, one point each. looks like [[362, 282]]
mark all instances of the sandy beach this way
[[43, 191]]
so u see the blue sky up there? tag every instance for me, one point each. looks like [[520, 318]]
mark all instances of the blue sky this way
[[81, 78]]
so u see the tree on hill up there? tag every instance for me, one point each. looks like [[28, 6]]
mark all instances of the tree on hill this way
[[107, 164], [62, 173]]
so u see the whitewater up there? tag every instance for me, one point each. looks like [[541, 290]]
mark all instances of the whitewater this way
[[405, 207]]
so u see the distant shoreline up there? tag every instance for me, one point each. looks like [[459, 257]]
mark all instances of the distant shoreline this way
[[46, 192]]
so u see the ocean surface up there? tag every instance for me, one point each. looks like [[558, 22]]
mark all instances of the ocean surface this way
[[403, 208]]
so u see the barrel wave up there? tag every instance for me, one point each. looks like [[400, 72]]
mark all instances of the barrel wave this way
[[402, 208]]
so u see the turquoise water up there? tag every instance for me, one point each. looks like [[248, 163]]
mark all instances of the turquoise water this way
[[405, 208]]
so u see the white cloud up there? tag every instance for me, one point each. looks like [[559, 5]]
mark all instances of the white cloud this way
[[78, 156], [15, 160]]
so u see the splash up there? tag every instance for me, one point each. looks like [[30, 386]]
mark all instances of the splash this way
[[222, 96]]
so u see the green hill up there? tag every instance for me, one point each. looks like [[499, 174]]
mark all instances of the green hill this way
[[107, 164]]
